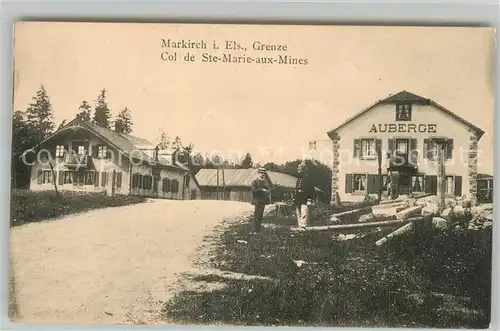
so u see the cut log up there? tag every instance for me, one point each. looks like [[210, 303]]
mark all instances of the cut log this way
[[391, 222], [404, 229], [409, 212], [391, 205], [385, 212], [349, 212], [414, 221]]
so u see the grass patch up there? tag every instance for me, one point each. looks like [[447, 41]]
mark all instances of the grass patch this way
[[31, 206], [437, 279]]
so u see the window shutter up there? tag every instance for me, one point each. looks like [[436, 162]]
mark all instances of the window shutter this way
[[118, 179], [390, 145], [348, 183], [96, 178], [357, 148], [458, 186], [426, 148], [371, 184], [103, 178], [61, 177], [431, 184], [377, 183], [413, 151], [39, 178], [378, 146], [449, 149]]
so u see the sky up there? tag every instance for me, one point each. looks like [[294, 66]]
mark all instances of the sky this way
[[269, 110]]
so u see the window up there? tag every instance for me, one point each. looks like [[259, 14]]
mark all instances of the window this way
[[359, 182], [59, 150], [175, 186], [403, 112], [166, 185], [118, 179], [417, 183], [47, 177], [147, 182], [368, 148], [450, 189], [101, 151], [81, 150], [84, 177]]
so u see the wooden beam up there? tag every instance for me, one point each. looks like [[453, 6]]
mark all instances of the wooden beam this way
[[358, 225]]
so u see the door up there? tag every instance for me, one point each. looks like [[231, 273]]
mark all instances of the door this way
[[402, 148]]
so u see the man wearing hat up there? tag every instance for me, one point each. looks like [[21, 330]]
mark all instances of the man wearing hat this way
[[304, 195], [260, 197]]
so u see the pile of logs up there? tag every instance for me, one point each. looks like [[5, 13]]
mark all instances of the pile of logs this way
[[409, 213]]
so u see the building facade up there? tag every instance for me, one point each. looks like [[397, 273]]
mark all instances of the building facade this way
[[236, 184], [397, 142], [84, 157]]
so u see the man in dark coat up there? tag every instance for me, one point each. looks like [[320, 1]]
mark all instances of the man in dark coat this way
[[304, 196], [260, 198]]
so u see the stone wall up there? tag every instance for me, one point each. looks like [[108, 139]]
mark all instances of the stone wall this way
[[472, 171]]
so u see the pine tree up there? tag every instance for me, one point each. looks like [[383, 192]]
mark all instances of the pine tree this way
[[39, 116], [84, 111], [163, 141], [177, 144], [123, 123], [63, 123], [247, 162], [102, 112], [22, 140]]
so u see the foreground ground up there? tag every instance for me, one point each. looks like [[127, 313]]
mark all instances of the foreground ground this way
[[428, 278], [114, 265]]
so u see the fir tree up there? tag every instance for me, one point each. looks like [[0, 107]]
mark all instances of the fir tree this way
[[123, 123], [84, 111], [163, 141], [39, 116], [102, 112], [247, 162]]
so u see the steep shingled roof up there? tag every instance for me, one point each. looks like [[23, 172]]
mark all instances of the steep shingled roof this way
[[128, 145], [405, 96]]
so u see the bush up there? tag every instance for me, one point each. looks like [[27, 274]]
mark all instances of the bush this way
[[31, 206]]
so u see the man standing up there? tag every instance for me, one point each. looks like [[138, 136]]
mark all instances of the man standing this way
[[260, 198], [304, 196]]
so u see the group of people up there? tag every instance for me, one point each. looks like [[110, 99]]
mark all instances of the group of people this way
[[304, 195]]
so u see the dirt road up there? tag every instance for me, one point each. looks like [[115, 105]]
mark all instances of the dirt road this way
[[113, 265]]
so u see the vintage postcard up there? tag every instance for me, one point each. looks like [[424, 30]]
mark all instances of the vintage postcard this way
[[275, 175]]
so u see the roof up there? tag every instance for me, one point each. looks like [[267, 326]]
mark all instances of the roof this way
[[128, 145], [405, 96], [284, 180], [243, 178], [227, 177]]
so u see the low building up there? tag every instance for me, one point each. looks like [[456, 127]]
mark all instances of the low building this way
[[85, 157], [409, 130], [236, 184]]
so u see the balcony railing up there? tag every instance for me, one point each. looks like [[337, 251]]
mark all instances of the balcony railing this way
[[75, 160], [402, 161]]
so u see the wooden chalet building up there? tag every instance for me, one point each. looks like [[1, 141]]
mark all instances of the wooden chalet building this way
[[85, 157]]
